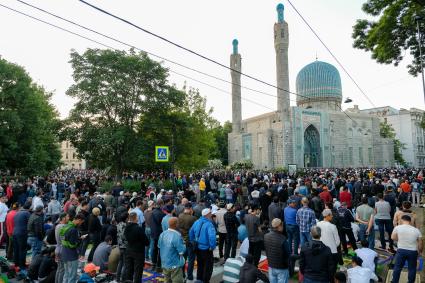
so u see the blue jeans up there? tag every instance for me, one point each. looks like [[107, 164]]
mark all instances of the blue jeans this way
[[305, 237], [370, 237], [293, 232], [278, 275], [385, 225], [400, 258], [36, 245], [189, 255], [148, 250], [70, 275]]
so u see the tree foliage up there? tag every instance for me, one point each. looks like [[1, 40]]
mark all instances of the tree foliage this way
[[126, 107], [28, 124], [386, 131], [220, 133], [393, 31]]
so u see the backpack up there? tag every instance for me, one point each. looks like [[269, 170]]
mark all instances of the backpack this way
[[63, 232]]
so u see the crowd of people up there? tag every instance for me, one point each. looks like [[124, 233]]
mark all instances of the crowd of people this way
[[305, 222]]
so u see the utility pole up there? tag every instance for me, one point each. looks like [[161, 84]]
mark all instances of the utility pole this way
[[173, 159]]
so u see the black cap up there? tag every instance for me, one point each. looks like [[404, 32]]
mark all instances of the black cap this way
[[188, 205]]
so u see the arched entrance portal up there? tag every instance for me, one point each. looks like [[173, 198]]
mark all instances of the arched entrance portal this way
[[312, 156]]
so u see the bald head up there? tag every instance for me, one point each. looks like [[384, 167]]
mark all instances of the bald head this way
[[172, 222], [184, 201]]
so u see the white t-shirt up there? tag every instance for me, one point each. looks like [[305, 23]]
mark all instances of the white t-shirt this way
[[360, 274], [244, 249], [368, 256], [3, 212], [407, 237], [329, 236]]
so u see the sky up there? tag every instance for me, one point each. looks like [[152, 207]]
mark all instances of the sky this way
[[207, 27]]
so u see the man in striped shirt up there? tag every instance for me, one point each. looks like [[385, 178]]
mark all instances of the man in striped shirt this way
[[232, 268]]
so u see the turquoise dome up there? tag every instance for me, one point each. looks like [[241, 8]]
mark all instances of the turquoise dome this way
[[318, 81]]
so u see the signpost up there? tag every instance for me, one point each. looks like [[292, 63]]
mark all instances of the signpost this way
[[162, 153]]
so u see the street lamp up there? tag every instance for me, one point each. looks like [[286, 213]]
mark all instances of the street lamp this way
[[418, 19]]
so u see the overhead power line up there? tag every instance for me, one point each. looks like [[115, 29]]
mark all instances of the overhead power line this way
[[330, 52], [110, 47], [195, 53]]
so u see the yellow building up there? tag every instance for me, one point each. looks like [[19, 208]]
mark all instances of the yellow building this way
[[70, 158]]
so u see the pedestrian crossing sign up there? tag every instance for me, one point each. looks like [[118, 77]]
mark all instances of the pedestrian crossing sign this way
[[161, 153]]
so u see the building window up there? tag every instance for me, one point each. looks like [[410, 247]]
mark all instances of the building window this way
[[66, 144], [246, 147], [350, 155], [66, 155], [369, 153], [361, 155], [73, 155]]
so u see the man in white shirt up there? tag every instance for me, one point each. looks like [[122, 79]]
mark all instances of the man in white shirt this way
[[367, 255], [329, 235], [360, 274], [3, 213], [409, 244], [37, 201]]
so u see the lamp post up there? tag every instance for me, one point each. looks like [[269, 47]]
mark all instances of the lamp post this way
[[418, 19]]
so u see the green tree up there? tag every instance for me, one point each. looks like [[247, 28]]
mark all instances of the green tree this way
[[220, 133], [28, 124], [392, 32], [115, 89], [386, 131]]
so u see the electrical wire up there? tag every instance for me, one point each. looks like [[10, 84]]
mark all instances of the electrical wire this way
[[110, 47], [331, 53], [196, 53]]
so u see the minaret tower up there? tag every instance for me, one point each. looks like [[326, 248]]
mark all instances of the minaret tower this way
[[235, 65], [281, 43]]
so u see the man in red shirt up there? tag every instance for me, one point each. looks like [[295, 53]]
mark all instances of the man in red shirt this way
[[10, 224], [325, 196], [345, 196]]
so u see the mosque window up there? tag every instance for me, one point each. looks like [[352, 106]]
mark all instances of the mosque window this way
[[246, 147], [66, 155]]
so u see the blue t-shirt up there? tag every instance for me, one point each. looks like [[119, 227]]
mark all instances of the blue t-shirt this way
[[21, 221], [290, 215]]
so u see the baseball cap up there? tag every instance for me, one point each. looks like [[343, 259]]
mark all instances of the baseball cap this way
[[206, 211], [90, 268], [229, 206]]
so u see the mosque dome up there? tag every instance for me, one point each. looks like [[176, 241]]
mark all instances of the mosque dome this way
[[318, 82]]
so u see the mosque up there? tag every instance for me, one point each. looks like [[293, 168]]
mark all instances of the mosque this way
[[316, 132]]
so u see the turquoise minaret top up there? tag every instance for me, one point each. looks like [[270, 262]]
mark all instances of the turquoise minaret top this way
[[280, 8], [235, 43]]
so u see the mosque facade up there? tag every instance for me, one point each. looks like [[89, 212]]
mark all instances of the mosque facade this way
[[315, 132]]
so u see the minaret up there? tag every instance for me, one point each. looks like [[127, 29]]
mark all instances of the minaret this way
[[235, 65], [281, 42]]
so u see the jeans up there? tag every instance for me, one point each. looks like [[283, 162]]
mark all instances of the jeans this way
[[70, 271], [293, 232], [189, 256], [278, 275], [134, 263], [416, 199], [36, 245], [385, 225], [59, 272], [400, 258], [20, 250], [121, 265], [343, 233], [231, 244], [156, 255], [305, 237], [221, 240], [370, 237], [149, 249]]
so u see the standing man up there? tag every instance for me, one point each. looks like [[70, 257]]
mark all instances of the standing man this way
[[364, 215], [139, 212], [10, 225], [305, 220], [292, 229], [20, 235], [156, 230], [222, 232], [277, 253], [255, 236], [172, 249], [203, 234], [232, 225], [135, 253], [329, 235], [186, 220], [63, 219], [345, 218], [70, 248], [3, 214], [409, 245], [36, 231], [316, 263]]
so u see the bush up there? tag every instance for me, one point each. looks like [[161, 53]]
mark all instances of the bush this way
[[128, 185], [242, 165]]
